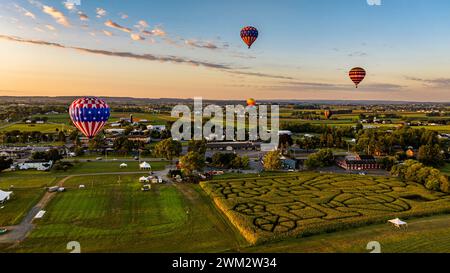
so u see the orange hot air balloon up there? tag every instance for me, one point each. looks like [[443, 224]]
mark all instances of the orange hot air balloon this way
[[251, 102], [357, 74], [328, 114]]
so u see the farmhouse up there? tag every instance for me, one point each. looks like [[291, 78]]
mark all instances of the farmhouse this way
[[358, 162], [4, 196], [40, 165]]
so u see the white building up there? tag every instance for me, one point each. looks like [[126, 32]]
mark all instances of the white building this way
[[123, 165], [157, 127], [115, 131], [5, 196], [38, 165]]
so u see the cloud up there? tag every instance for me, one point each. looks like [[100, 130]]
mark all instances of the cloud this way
[[320, 86], [142, 24], [107, 33], [38, 29], [24, 11], [144, 57], [50, 27], [147, 57], [83, 16], [374, 2], [157, 31], [136, 37], [36, 3], [201, 44], [111, 24], [433, 83], [57, 15], [261, 75], [70, 6], [357, 54], [100, 12], [123, 16]]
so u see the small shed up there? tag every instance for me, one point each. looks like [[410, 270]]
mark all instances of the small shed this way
[[123, 165]]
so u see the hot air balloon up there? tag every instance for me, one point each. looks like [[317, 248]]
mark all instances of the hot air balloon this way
[[89, 115], [251, 102], [357, 74], [328, 114], [249, 35]]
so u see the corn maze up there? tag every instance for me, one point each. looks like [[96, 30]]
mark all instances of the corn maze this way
[[308, 203]]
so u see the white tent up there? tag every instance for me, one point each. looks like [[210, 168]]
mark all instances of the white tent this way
[[398, 223], [144, 179], [123, 165], [145, 166], [4, 196]]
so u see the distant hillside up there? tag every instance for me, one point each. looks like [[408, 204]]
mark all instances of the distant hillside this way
[[146, 101]]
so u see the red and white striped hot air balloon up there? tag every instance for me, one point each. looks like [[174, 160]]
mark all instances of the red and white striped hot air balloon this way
[[357, 75]]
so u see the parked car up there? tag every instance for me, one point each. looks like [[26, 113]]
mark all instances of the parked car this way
[[3, 231], [99, 158], [53, 189], [146, 187]]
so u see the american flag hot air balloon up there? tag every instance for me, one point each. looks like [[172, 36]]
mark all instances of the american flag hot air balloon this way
[[249, 35], [89, 115], [357, 74]]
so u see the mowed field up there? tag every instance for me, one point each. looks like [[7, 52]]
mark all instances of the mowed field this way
[[112, 214], [265, 209], [28, 188], [43, 128]]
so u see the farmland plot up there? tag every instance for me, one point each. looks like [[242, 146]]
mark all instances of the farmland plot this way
[[297, 205]]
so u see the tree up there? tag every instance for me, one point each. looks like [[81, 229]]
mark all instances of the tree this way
[[192, 161], [96, 143], [168, 148], [5, 163], [444, 184], [322, 158], [61, 136], [387, 162], [197, 146], [272, 161], [284, 142], [431, 155]]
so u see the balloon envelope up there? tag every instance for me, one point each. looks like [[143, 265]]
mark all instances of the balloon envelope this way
[[251, 102], [89, 115], [249, 35], [357, 74]]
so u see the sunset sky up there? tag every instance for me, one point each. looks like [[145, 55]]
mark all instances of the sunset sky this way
[[189, 48]]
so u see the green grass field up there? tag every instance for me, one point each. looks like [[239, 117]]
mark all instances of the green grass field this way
[[19, 205], [269, 208], [424, 235], [108, 216], [43, 128], [107, 167]]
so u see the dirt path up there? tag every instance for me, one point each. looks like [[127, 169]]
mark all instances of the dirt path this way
[[18, 233]]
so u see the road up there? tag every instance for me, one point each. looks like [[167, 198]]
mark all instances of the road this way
[[18, 233]]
